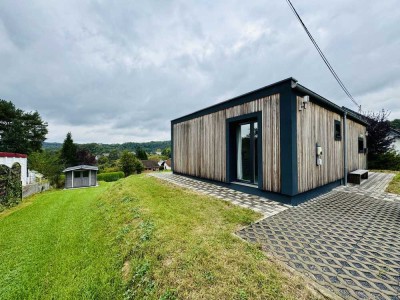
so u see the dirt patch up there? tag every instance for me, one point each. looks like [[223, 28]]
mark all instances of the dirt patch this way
[[126, 270]]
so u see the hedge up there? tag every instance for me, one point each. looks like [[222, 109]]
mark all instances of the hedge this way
[[10, 185], [111, 176]]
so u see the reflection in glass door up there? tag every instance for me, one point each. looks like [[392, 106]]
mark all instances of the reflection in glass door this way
[[246, 152]]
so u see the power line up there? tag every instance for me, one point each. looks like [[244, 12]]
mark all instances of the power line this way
[[323, 56]]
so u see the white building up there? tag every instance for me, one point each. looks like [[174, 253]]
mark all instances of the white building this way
[[8, 159]]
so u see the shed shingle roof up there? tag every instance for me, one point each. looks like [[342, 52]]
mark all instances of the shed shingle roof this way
[[81, 167]]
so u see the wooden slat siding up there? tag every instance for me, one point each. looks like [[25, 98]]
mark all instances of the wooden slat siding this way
[[200, 143], [315, 124], [271, 144], [355, 160]]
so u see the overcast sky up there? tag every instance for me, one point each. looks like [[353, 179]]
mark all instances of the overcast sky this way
[[119, 71]]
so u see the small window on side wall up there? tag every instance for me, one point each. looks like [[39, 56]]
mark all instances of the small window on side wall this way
[[360, 145], [338, 131]]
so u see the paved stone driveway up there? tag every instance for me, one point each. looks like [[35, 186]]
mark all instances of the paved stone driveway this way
[[348, 243], [374, 187], [260, 204]]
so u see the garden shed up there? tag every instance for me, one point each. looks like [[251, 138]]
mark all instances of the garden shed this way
[[283, 139], [80, 176]]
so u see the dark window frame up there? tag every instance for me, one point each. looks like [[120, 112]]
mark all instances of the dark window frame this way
[[231, 125], [337, 134], [361, 142]]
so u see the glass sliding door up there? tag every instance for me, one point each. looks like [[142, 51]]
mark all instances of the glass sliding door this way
[[243, 153], [255, 151], [246, 152]]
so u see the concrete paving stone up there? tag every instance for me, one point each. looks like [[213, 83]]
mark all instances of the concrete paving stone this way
[[354, 254]]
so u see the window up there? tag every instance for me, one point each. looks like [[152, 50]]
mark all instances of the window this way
[[85, 173], [77, 174], [338, 131], [360, 145]]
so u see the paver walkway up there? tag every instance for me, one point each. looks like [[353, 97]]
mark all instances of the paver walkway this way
[[260, 204], [346, 240], [374, 186]]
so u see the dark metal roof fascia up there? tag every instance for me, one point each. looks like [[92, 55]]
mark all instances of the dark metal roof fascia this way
[[326, 103], [229, 103]]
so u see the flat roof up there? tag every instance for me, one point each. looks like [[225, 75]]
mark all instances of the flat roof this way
[[273, 88], [81, 168]]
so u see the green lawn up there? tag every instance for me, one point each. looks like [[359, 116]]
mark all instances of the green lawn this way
[[138, 238], [394, 185]]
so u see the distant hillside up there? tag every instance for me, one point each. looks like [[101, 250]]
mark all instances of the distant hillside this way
[[96, 149]]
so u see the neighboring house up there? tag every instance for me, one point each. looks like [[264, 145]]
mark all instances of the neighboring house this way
[[9, 159], [282, 140], [150, 165], [395, 133], [165, 164], [80, 176]]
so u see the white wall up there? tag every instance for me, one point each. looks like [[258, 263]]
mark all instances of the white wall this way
[[9, 161]]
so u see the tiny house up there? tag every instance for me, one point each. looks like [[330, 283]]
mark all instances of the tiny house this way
[[283, 141], [80, 176]]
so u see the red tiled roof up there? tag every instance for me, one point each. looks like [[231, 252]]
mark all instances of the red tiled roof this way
[[9, 154]]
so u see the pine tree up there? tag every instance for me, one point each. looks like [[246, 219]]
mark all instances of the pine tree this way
[[68, 151]]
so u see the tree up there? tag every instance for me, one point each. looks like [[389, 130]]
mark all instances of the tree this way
[[141, 153], [127, 163], [166, 152], [130, 164], [68, 151], [379, 140], [103, 160], [48, 163], [84, 157], [138, 166], [114, 155], [395, 124], [22, 132]]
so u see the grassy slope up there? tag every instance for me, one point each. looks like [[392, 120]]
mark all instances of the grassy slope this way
[[137, 238], [55, 248], [178, 243]]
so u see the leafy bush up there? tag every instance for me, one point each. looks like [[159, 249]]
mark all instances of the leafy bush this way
[[386, 161], [130, 164], [59, 181], [109, 169], [49, 164], [112, 176]]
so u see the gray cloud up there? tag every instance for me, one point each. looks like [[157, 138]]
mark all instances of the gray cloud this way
[[115, 72]]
